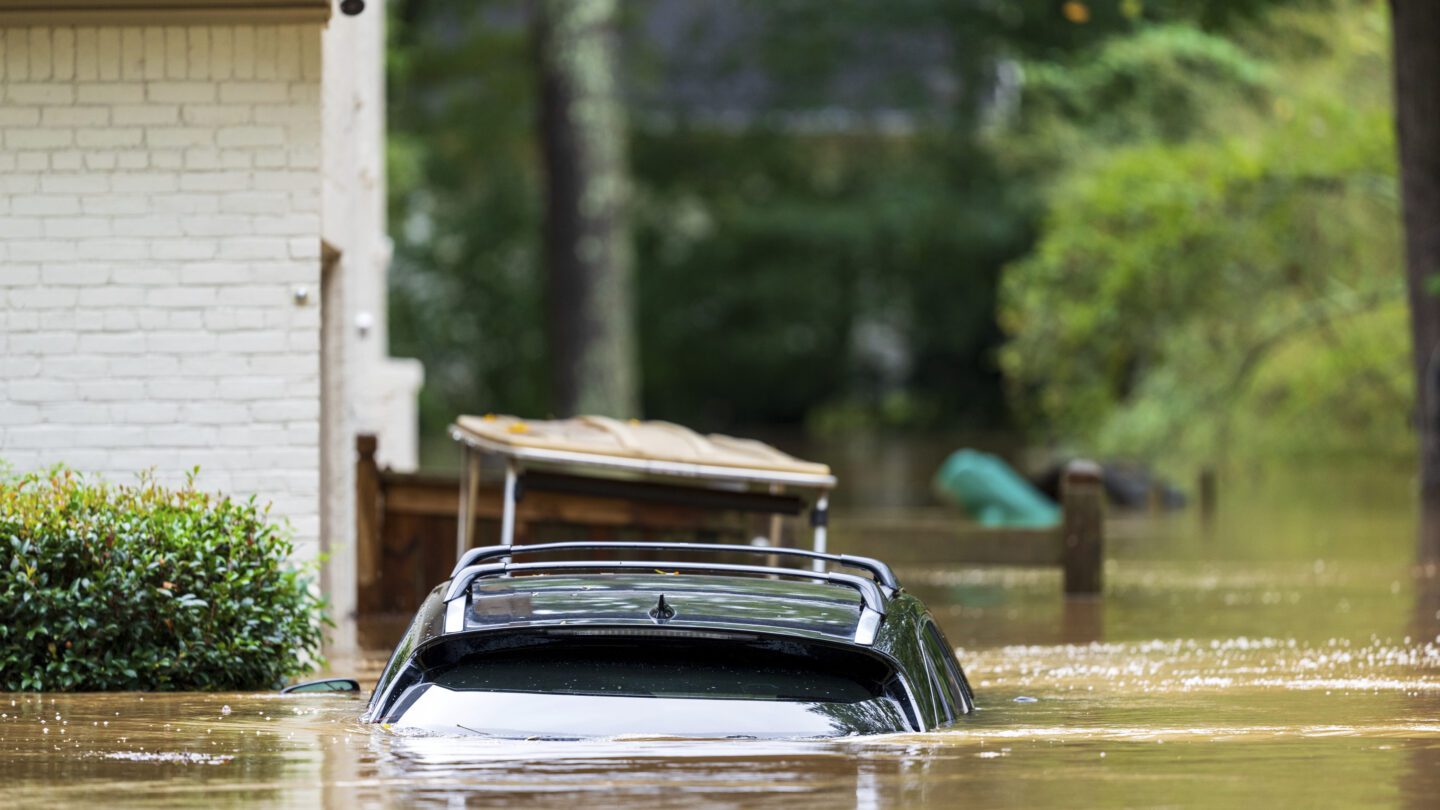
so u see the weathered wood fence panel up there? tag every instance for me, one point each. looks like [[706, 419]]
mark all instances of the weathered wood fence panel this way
[[407, 526]]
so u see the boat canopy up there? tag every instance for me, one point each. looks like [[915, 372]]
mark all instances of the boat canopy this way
[[645, 448]]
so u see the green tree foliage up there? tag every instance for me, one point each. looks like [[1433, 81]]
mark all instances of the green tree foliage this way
[[1234, 291], [144, 587], [828, 253]]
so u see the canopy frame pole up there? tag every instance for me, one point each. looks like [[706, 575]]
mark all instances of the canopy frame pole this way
[[469, 491], [820, 520], [507, 516]]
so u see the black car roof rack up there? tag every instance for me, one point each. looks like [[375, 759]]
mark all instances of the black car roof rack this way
[[879, 570], [870, 593]]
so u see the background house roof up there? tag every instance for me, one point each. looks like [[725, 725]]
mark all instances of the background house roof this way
[[167, 12]]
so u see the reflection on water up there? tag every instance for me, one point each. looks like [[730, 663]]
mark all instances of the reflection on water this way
[[1288, 655]]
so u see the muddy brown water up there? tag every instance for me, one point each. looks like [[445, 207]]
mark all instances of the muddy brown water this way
[[1287, 655]]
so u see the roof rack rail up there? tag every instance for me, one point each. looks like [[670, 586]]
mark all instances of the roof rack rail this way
[[879, 570], [870, 593]]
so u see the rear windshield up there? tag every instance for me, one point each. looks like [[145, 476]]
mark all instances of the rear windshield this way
[[711, 669]]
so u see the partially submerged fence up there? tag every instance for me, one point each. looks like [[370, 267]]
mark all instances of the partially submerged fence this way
[[407, 526]]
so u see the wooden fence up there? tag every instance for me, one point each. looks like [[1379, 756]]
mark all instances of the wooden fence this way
[[406, 527]]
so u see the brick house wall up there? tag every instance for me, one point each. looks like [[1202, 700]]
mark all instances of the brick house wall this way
[[160, 194]]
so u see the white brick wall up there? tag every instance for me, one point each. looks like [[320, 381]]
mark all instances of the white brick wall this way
[[159, 206]]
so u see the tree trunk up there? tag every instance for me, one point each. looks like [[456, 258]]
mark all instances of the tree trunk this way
[[1417, 108], [588, 256]]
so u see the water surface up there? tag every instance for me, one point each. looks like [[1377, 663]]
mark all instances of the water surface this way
[[1287, 654]]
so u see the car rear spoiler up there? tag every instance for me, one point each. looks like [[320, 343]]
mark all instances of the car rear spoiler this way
[[459, 584], [879, 570]]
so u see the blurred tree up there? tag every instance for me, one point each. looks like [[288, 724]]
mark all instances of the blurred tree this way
[[823, 192], [1225, 290], [588, 257], [1416, 25]]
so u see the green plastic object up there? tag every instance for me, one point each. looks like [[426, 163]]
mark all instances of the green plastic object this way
[[992, 493]]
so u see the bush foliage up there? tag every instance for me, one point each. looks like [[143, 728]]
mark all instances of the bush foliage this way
[[145, 587]]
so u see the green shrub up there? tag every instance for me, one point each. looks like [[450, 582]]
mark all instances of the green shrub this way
[[146, 587]]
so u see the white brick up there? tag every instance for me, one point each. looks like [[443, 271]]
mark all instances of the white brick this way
[[86, 116], [112, 296], [63, 53], [216, 225], [87, 54], [144, 183], [180, 92], [42, 297], [114, 204], [38, 138], [108, 54], [257, 342], [182, 296], [244, 137], [112, 389], [184, 250], [145, 366], [100, 161], [118, 320], [148, 413], [254, 202], [109, 93], [44, 343], [39, 93], [146, 114], [15, 183], [17, 116], [17, 275], [75, 274], [113, 343], [67, 160], [243, 55], [16, 414], [19, 228], [40, 64], [75, 184], [154, 64], [172, 159], [78, 366], [199, 55], [132, 54], [254, 92], [117, 249], [109, 138], [38, 390], [17, 54], [215, 115], [177, 53], [181, 389], [76, 227], [147, 276], [178, 137], [45, 205], [222, 39], [215, 181]]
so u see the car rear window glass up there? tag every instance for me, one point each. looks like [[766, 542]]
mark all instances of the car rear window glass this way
[[723, 671]]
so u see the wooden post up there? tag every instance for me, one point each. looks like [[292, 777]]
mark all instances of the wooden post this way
[[1082, 497], [1206, 492], [368, 517]]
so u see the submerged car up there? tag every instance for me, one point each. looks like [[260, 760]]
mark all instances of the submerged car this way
[[560, 647]]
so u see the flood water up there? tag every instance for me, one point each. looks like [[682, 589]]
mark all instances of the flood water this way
[[1285, 655]]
